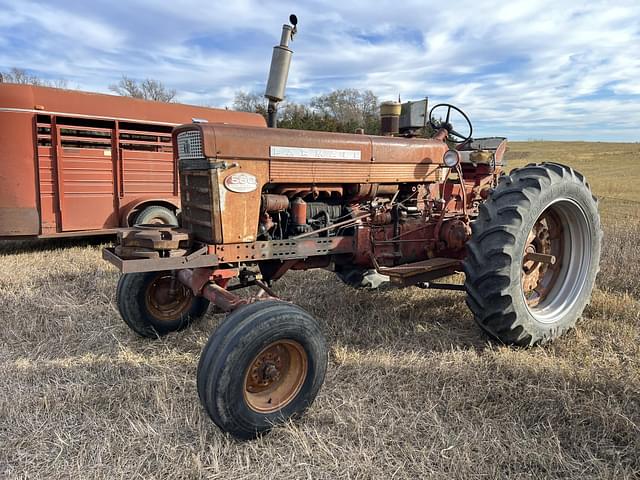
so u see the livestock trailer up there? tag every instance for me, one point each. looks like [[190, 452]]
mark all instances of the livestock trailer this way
[[76, 163]]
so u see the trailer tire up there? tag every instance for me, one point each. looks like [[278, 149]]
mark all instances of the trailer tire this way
[[156, 215], [145, 306], [533, 256], [263, 365]]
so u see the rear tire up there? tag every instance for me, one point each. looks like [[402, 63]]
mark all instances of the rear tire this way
[[545, 210], [147, 308], [264, 364], [156, 215]]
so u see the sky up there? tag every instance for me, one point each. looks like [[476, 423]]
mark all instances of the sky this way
[[525, 69]]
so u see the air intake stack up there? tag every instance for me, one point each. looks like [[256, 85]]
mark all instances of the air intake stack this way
[[279, 71], [390, 118]]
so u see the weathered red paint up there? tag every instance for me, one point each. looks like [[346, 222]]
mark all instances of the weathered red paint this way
[[77, 163]]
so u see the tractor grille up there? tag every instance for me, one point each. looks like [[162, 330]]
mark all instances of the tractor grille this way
[[199, 190], [190, 145], [200, 212]]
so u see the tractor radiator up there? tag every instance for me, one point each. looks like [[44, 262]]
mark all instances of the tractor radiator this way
[[199, 189]]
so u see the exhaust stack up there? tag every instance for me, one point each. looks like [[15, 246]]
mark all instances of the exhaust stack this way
[[279, 71]]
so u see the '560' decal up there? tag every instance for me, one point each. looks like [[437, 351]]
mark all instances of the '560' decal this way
[[241, 182]]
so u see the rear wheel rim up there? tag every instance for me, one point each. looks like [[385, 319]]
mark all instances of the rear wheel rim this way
[[551, 290], [164, 303], [275, 376]]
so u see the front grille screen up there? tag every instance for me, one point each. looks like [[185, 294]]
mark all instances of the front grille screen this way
[[190, 145]]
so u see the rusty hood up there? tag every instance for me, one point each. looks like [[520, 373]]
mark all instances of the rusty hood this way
[[233, 141]]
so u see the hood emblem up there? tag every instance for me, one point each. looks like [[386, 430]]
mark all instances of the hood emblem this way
[[241, 183]]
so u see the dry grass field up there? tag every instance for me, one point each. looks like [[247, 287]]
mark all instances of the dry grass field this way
[[414, 389]]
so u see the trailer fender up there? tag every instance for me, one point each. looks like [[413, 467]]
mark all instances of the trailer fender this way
[[128, 212]]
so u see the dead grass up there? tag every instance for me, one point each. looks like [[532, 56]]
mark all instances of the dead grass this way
[[414, 389]]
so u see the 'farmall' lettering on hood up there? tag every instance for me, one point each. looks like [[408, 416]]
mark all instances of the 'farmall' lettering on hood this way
[[319, 153]]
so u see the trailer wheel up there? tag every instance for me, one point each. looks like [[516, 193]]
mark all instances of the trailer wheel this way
[[264, 364], [156, 215], [150, 309], [533, 257]]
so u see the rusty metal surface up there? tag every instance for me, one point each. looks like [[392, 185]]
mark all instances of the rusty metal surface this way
[[315, 190], [148, 173], [426, 276], [130, 253], [455, 233], [83, 168], [201, 204], [240, 211], [199, 281], [223, 298], [213, 212], [18, 188], [275, 376], [64, 189], [500, 151], [18, 221], [195, 278], [417, 268], [86, 188], [75, 103], [539, 257], [282, 249], [150, 260], [325, 157], [166, 300], [543, 258], [296, 163], [157, 264], [156, 238], [274, 203]]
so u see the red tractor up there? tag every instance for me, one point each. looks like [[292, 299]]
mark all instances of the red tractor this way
[[258, 202]]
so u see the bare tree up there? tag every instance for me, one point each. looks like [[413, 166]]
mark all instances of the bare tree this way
[[23, 77], [350, 107], [336, 111], [249, 102], [148, 89]]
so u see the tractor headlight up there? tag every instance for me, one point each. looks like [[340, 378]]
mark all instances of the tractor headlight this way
[[451, 158]]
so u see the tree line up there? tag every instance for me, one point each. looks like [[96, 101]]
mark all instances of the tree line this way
[[147, 89], [342, 110]]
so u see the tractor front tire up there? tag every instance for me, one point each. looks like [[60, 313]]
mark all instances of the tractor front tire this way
[[264, 364], [150, 309], [533, 256]]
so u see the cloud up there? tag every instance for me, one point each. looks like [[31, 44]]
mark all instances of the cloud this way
[[63, 24], [545, 69]]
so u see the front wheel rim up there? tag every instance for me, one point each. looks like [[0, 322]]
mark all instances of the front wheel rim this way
[[275, 376], [167, 299], [551, 290]]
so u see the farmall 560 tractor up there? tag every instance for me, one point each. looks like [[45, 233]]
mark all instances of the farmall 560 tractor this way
[[258, 202]]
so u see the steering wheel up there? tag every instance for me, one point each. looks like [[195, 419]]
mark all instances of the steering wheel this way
[[453, 136]]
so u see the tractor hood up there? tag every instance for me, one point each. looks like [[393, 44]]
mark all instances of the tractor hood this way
[[303, 156]]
